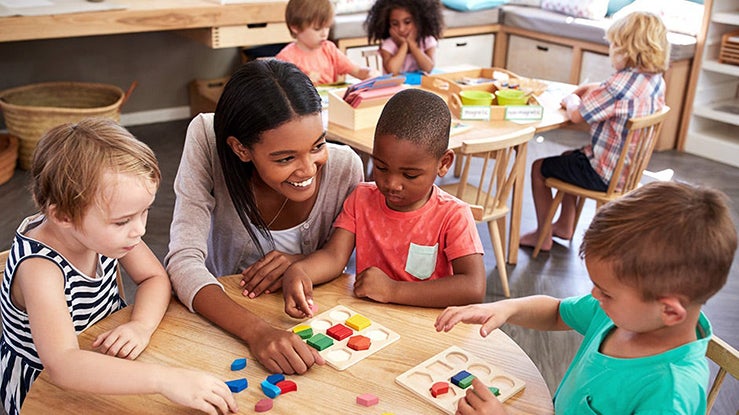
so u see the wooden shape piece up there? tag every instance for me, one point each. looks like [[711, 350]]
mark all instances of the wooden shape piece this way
[[359, 342], [439, 388], [287, 386], [367, 399], [358, 322], [460, 376], [320, 341], [237, 385], [339, 332], [270, 389], [264, 405], [274, 378], [305, 332], [238, 364]]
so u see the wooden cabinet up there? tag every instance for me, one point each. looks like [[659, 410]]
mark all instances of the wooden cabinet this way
[[475, 50], [714, 121]]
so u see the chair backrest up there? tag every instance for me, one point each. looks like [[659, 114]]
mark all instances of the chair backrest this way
[[502, 161], [373, 59], [727, 358], [642, 135], [3, 260]]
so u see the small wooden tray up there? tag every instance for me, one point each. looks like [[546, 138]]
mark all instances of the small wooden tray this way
[[448, 363], [339, 355]]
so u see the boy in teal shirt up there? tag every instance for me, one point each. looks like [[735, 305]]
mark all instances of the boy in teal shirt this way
[[654, 257]]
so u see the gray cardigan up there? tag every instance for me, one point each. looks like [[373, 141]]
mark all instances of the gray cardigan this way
[[207, 238]]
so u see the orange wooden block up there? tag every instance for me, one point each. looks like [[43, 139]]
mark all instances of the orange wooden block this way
[[359, 342]]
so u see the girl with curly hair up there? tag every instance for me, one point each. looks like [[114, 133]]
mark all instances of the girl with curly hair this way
[[408, 31]]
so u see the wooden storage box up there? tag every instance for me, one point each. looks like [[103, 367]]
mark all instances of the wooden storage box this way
[[497, 112], [729, 52], [204, 94], [342, 114]]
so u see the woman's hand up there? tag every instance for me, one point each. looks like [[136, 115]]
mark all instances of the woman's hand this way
[[265, 275], [375, 284], [126, 341], [282, 351]]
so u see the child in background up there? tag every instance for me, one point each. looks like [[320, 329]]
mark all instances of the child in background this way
[[409, 31], [94, 184], [416, 244], [309, 22], [639, 52], [655, 256]]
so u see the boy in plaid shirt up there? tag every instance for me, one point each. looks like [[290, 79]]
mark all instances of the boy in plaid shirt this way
[[639, 52]]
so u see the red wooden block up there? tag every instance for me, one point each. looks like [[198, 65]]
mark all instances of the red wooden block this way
[[287, 386], [339, 332], [439, 388], [359, 342], [263, 405], [367, 399]]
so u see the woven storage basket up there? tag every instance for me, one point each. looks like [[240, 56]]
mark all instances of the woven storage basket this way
[[30, 111], [8, 157]]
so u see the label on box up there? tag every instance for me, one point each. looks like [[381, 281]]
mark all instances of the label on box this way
[[475, 112], [524, 112]]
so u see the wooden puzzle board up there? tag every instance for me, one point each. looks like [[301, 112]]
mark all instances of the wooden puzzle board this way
[[339, 355], [443, 366]]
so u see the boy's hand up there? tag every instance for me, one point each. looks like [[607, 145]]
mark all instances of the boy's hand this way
[[198, 390], [297, 290], [126, 341], [265, 275], [375, 284], [490, 315], [282, 351], [479, 400]]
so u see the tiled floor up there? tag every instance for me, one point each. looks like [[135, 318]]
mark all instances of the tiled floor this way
[[559, 273]]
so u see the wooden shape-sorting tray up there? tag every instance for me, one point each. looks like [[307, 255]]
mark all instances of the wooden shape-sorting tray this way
[[443, 366], [339, 355]]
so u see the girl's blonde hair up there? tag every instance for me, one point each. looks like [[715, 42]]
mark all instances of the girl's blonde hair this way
[[70, 160], [303, 13], [641, 39]]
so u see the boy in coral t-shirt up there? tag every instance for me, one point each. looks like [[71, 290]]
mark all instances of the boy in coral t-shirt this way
[[415, 243]]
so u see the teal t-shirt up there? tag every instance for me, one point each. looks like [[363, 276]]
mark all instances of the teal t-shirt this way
[[673, 382]]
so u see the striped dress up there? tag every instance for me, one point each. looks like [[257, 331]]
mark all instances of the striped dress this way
[[88, 299]]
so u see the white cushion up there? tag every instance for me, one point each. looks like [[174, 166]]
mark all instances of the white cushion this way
[[589, 9]]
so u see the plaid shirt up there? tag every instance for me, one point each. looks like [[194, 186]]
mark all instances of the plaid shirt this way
[[627, 93]]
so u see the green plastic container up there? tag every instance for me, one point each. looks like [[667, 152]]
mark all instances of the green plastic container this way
[[511, 97], [476, 98]]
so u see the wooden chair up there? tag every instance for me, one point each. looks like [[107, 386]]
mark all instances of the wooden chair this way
[[637, 150], [502, 163], [373, 59], [727, 359]]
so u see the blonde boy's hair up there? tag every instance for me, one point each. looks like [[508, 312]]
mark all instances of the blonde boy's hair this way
[[70, 160], [666, 238], [641, 38], [303, 13]]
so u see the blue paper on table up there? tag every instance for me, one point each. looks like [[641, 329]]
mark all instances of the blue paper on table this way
[[383, 81]]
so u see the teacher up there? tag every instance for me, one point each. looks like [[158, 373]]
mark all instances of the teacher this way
[[258, 187]]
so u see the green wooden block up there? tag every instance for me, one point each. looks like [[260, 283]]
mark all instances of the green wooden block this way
[[466, 382], [495, 390], [320, 342]]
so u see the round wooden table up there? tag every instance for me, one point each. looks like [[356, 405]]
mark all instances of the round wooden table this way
[[185, 339]]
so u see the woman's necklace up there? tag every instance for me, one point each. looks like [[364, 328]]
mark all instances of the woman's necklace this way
[[277, 215]]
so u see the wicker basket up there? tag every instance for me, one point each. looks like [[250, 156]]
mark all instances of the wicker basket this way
[[30, 111], [8, 157]]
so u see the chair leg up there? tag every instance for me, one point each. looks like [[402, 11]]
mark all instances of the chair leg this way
[[547, 226], [578, 211], [499, 256]]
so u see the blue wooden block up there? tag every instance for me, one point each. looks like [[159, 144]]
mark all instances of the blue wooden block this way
[[277, 377], [238, 364], [237, 385], [270, 389], [460, 377]]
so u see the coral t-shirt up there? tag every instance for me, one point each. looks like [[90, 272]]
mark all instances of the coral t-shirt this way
[[409, 246], [323, 65]]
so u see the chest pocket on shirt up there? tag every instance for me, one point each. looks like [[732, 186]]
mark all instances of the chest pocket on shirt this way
[[585, 407], [421, 260]]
